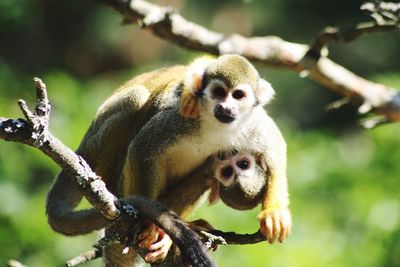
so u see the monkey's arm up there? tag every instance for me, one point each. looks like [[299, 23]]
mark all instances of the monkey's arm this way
[[275, 218], [146, 169], [183, 197]]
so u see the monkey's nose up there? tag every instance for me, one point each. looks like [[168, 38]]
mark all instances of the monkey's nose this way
[[224, 115]]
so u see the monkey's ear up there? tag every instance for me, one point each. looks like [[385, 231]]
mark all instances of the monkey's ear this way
[[213, 197], [192, 84], [260, 160], [194, 74], [264, 92]]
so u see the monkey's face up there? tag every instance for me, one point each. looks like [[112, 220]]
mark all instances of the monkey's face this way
[[227, 170], [228, 103], [242, 181], [233, 88], [228, 89]]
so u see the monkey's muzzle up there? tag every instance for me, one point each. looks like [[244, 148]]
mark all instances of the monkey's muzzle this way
[[224, 115]]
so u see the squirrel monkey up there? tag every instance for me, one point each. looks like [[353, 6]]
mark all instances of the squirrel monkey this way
[[160, 126]]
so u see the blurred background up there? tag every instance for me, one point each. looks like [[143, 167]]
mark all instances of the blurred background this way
[[344, 181]]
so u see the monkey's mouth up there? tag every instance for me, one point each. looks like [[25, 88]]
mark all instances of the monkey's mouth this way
[[224, 115], [224, 118]]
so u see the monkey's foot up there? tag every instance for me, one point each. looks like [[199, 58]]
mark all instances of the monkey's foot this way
[[189, 107], [275, 223], [156, 241]]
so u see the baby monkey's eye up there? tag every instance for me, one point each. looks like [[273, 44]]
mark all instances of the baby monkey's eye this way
[[243, 164], [219, 91], [227, 172]]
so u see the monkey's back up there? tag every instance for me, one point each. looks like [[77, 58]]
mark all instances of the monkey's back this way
[[120, 118]]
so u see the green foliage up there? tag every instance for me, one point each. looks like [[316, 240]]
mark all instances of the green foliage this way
[[344, 198], [344, 181]]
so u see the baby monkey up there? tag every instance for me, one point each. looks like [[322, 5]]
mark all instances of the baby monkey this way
[[237, 178]]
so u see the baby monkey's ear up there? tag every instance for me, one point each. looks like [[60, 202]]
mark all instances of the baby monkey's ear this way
[[264, 92], [192, 86], [260, 160]]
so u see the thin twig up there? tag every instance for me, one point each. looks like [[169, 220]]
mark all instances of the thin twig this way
[[332, 34], [14, 263], [84, 257]]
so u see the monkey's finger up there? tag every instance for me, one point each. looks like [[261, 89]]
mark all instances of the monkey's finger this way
[[150, 239], [147, 231], [286, 225], [269, 227], [156, 255], [284, 232], [165, 243], [276, 218], [263, 227], [149, 236]]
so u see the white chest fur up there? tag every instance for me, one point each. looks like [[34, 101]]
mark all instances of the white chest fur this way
[[190, 152], [193, 150]]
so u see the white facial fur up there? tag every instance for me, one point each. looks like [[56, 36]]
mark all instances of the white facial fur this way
[[234, 102], [226, 171]]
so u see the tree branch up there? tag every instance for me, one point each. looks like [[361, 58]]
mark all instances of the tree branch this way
[[272, 51], [125, 213], [84, 257], [14, 263]]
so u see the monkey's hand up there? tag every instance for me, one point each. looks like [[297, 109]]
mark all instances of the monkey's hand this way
[[156, 241], [189, 106], [275, 223]]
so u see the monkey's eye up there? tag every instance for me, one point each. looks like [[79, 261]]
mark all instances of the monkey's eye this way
[[219, 91], [243, 164], [238, 94], [227, 172]]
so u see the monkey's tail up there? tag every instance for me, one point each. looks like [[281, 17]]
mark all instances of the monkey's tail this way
[[193, 251], [61, 201]]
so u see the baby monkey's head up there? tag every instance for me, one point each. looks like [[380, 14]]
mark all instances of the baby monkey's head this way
[[241, 179]]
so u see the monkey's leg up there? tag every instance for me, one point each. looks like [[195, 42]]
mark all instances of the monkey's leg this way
[[182, 199]]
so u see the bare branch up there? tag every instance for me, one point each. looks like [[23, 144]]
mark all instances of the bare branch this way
[[270, 51], [382, 12], [34, 132], [84, 257], [14, 263]]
